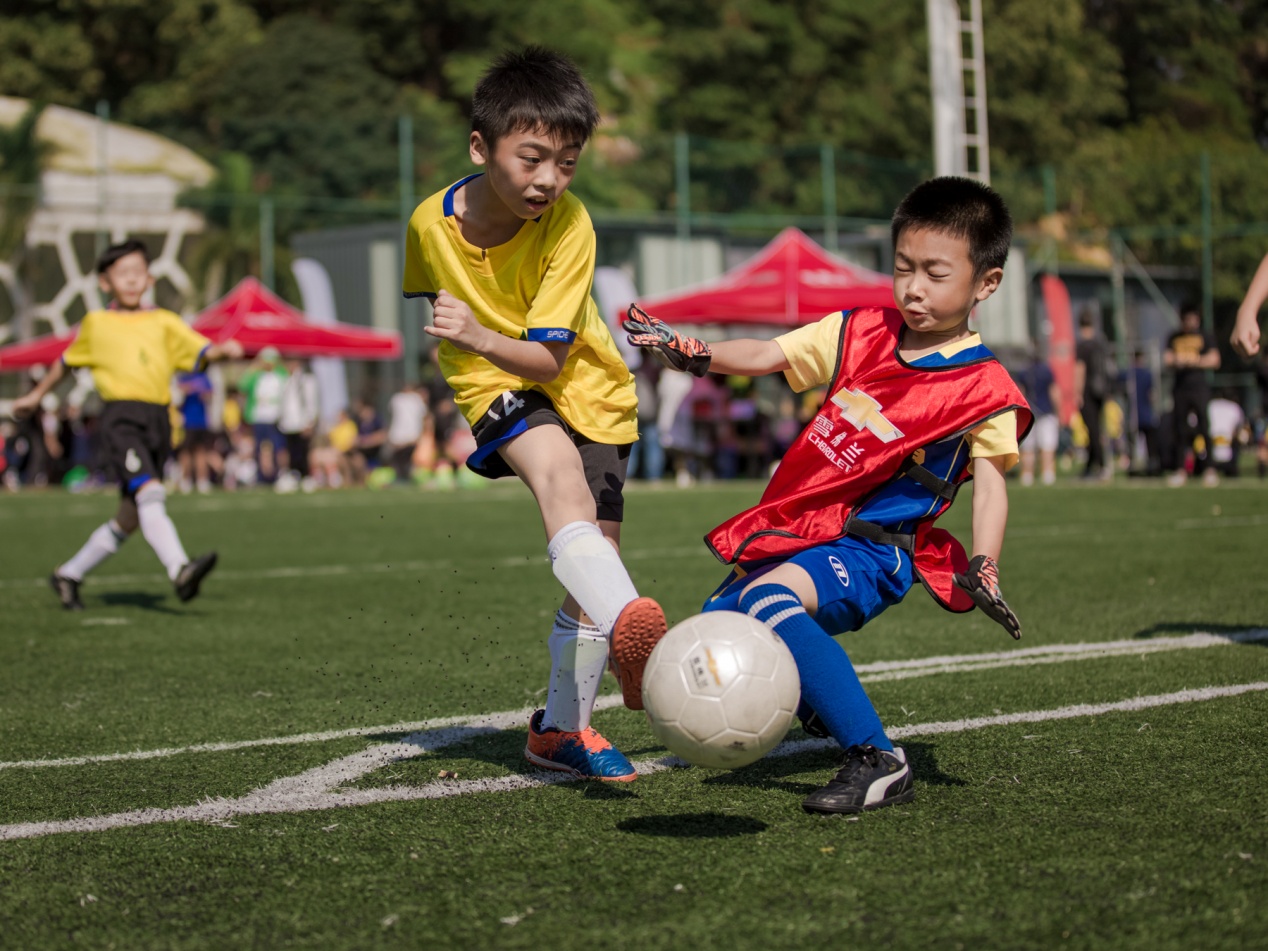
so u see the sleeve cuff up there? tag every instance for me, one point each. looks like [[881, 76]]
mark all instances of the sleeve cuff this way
[[551, 335]]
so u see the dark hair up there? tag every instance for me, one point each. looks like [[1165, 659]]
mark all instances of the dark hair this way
[[1190, 307], [530, 90], [962, 208], [117, 251]]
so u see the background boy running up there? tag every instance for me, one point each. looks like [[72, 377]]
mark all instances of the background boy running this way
[[915, 406], [132, 352], [507, 257]]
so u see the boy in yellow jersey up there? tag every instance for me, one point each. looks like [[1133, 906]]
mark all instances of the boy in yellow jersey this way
[[133, 352], [507, 257]]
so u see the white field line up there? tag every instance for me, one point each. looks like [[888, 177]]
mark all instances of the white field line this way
[[440, 726], [312, 790], [879, 671], [1051, 654]]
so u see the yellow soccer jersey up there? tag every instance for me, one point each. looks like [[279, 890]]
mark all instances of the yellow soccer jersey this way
[[133, 354], [534, 287], [812, 354]]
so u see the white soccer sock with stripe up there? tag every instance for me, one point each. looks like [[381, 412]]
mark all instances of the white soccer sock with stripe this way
[[102, 543], [589, 568], [157, 528], [578, 657]]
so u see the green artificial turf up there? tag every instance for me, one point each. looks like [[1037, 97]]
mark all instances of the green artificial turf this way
[[365, 615]]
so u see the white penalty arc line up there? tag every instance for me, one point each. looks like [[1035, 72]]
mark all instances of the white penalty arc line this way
[[877, 672], [311, 791]]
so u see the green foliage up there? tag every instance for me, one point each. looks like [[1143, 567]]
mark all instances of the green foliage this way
[[305, 106], [229, 250], [1118, 97], [150, 59], [1051, 82], [21, 154]]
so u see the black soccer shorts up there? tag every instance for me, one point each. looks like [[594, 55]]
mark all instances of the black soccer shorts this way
[[517, 411], [137, 439]]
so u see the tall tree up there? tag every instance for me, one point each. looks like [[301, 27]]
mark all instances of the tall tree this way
[[309, 112]]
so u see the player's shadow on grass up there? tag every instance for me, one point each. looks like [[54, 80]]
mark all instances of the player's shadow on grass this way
[[695, 825], [772, 772], [1231, 631], [140, 599]]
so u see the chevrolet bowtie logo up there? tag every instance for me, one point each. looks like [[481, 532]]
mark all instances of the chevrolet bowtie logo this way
[[865, 413]]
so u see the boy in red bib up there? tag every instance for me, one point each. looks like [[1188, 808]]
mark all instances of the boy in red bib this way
[[916, 405]]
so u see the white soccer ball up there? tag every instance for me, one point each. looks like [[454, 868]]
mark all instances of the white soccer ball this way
[[721, 689]]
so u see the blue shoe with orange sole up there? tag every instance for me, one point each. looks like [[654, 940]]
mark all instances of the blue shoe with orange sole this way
[[586, 754]]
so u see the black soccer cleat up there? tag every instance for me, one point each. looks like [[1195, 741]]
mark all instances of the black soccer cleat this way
[[191, 576], [868, 779], [67, 591]]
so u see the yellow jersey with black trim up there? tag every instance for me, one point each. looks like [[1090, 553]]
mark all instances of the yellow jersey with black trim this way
[[534, 287], [133, 353]]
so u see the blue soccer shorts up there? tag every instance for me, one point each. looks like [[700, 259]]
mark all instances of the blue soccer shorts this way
[[854, 579]]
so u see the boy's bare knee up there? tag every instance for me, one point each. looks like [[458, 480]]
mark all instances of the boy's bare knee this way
[[796, 579], [126, 517]]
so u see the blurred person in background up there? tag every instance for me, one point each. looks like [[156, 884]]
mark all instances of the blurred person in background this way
[[6, 437], [343, 440], [297, 421], [199, 439], [328, 468], [408, 422], [1138, 384], [1091, 386], [1040, 389], [647, 455], [262, 386], [49, 439], [1227, 425], [1190, 353], [371, 436]]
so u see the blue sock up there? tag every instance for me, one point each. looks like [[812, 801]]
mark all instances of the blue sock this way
[[828, 681]]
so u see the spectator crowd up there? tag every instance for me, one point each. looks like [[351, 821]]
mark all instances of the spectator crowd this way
[[264, 426]]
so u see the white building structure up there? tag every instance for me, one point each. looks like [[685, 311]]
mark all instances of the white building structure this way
[[101, 182]]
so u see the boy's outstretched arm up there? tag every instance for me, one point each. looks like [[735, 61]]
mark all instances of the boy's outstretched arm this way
[[990, 516], [229, 350], [27, 403], [744, 357]]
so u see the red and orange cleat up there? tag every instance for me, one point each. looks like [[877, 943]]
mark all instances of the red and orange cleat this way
[[640, 625]]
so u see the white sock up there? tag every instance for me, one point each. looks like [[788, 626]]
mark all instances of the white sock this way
[[102, 543], [591, 571], [157, 528], [578, 657]]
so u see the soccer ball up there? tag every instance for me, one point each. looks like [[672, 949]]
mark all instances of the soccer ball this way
[[721, 689]]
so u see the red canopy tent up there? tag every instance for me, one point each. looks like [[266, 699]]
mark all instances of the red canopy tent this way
[[255, 317], [790, 282], [38, 352]]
